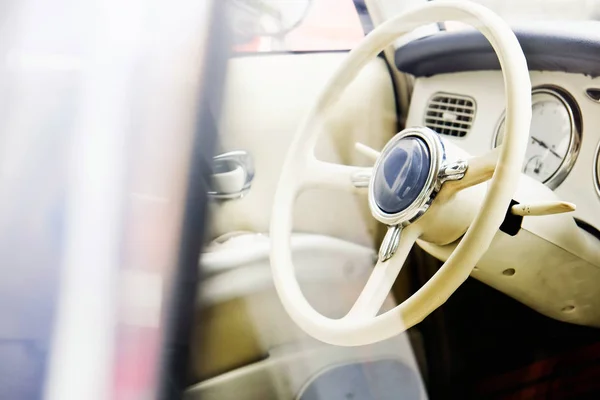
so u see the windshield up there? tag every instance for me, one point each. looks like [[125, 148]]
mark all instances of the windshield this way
[[264, 26], [516, 11]]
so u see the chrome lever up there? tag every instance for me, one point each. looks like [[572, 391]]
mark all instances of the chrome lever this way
[[232, 176]]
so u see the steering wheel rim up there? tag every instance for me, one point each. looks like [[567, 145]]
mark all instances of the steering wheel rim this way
[[359, 329]]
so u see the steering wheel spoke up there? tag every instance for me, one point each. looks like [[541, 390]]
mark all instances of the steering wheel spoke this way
[[326, 175], [479, 170], [383, 276]]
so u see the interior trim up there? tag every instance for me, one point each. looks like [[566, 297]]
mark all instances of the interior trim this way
[[589, 228], [546, 48]]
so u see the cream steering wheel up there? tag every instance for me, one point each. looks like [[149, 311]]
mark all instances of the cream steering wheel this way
[[412, 169]]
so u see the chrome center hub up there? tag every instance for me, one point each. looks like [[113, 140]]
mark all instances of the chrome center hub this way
[[406, 178], [402, 175]]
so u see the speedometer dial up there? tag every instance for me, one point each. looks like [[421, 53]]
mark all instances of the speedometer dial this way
[[554, 137]]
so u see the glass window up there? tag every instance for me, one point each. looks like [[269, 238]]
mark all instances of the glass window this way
[[295, 25]]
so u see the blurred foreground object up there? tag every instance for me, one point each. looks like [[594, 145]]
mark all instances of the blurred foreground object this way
[[107, 124]]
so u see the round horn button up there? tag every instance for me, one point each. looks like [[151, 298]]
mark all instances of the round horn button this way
[[401, 174]]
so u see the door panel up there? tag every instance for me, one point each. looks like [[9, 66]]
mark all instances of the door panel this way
[[266, 98]]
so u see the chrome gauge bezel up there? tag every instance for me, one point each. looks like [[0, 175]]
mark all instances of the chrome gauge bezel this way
[[575, 134], [596, 169]]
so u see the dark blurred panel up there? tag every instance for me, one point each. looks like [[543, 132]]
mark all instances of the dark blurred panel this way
[[181, 316]]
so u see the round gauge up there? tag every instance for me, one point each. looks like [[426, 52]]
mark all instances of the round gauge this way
[[554, 136]]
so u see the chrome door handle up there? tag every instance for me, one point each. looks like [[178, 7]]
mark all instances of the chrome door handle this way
[[232, 176]]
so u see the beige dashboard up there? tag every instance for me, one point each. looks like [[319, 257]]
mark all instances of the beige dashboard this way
[[487, 90], [550, 265]]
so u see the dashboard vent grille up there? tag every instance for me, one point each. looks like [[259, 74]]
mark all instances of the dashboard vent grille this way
[[450, 114]]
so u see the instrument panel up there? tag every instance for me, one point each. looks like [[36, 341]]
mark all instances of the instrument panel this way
[[564, 145]]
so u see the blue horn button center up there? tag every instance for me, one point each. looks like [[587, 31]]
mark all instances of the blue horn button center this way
[[401, 175]]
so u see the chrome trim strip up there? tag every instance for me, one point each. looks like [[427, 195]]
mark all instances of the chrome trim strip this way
[[390, 243], [361, 179], [596, 169]]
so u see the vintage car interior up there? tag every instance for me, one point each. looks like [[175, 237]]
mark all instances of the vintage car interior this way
[[414, 218]]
